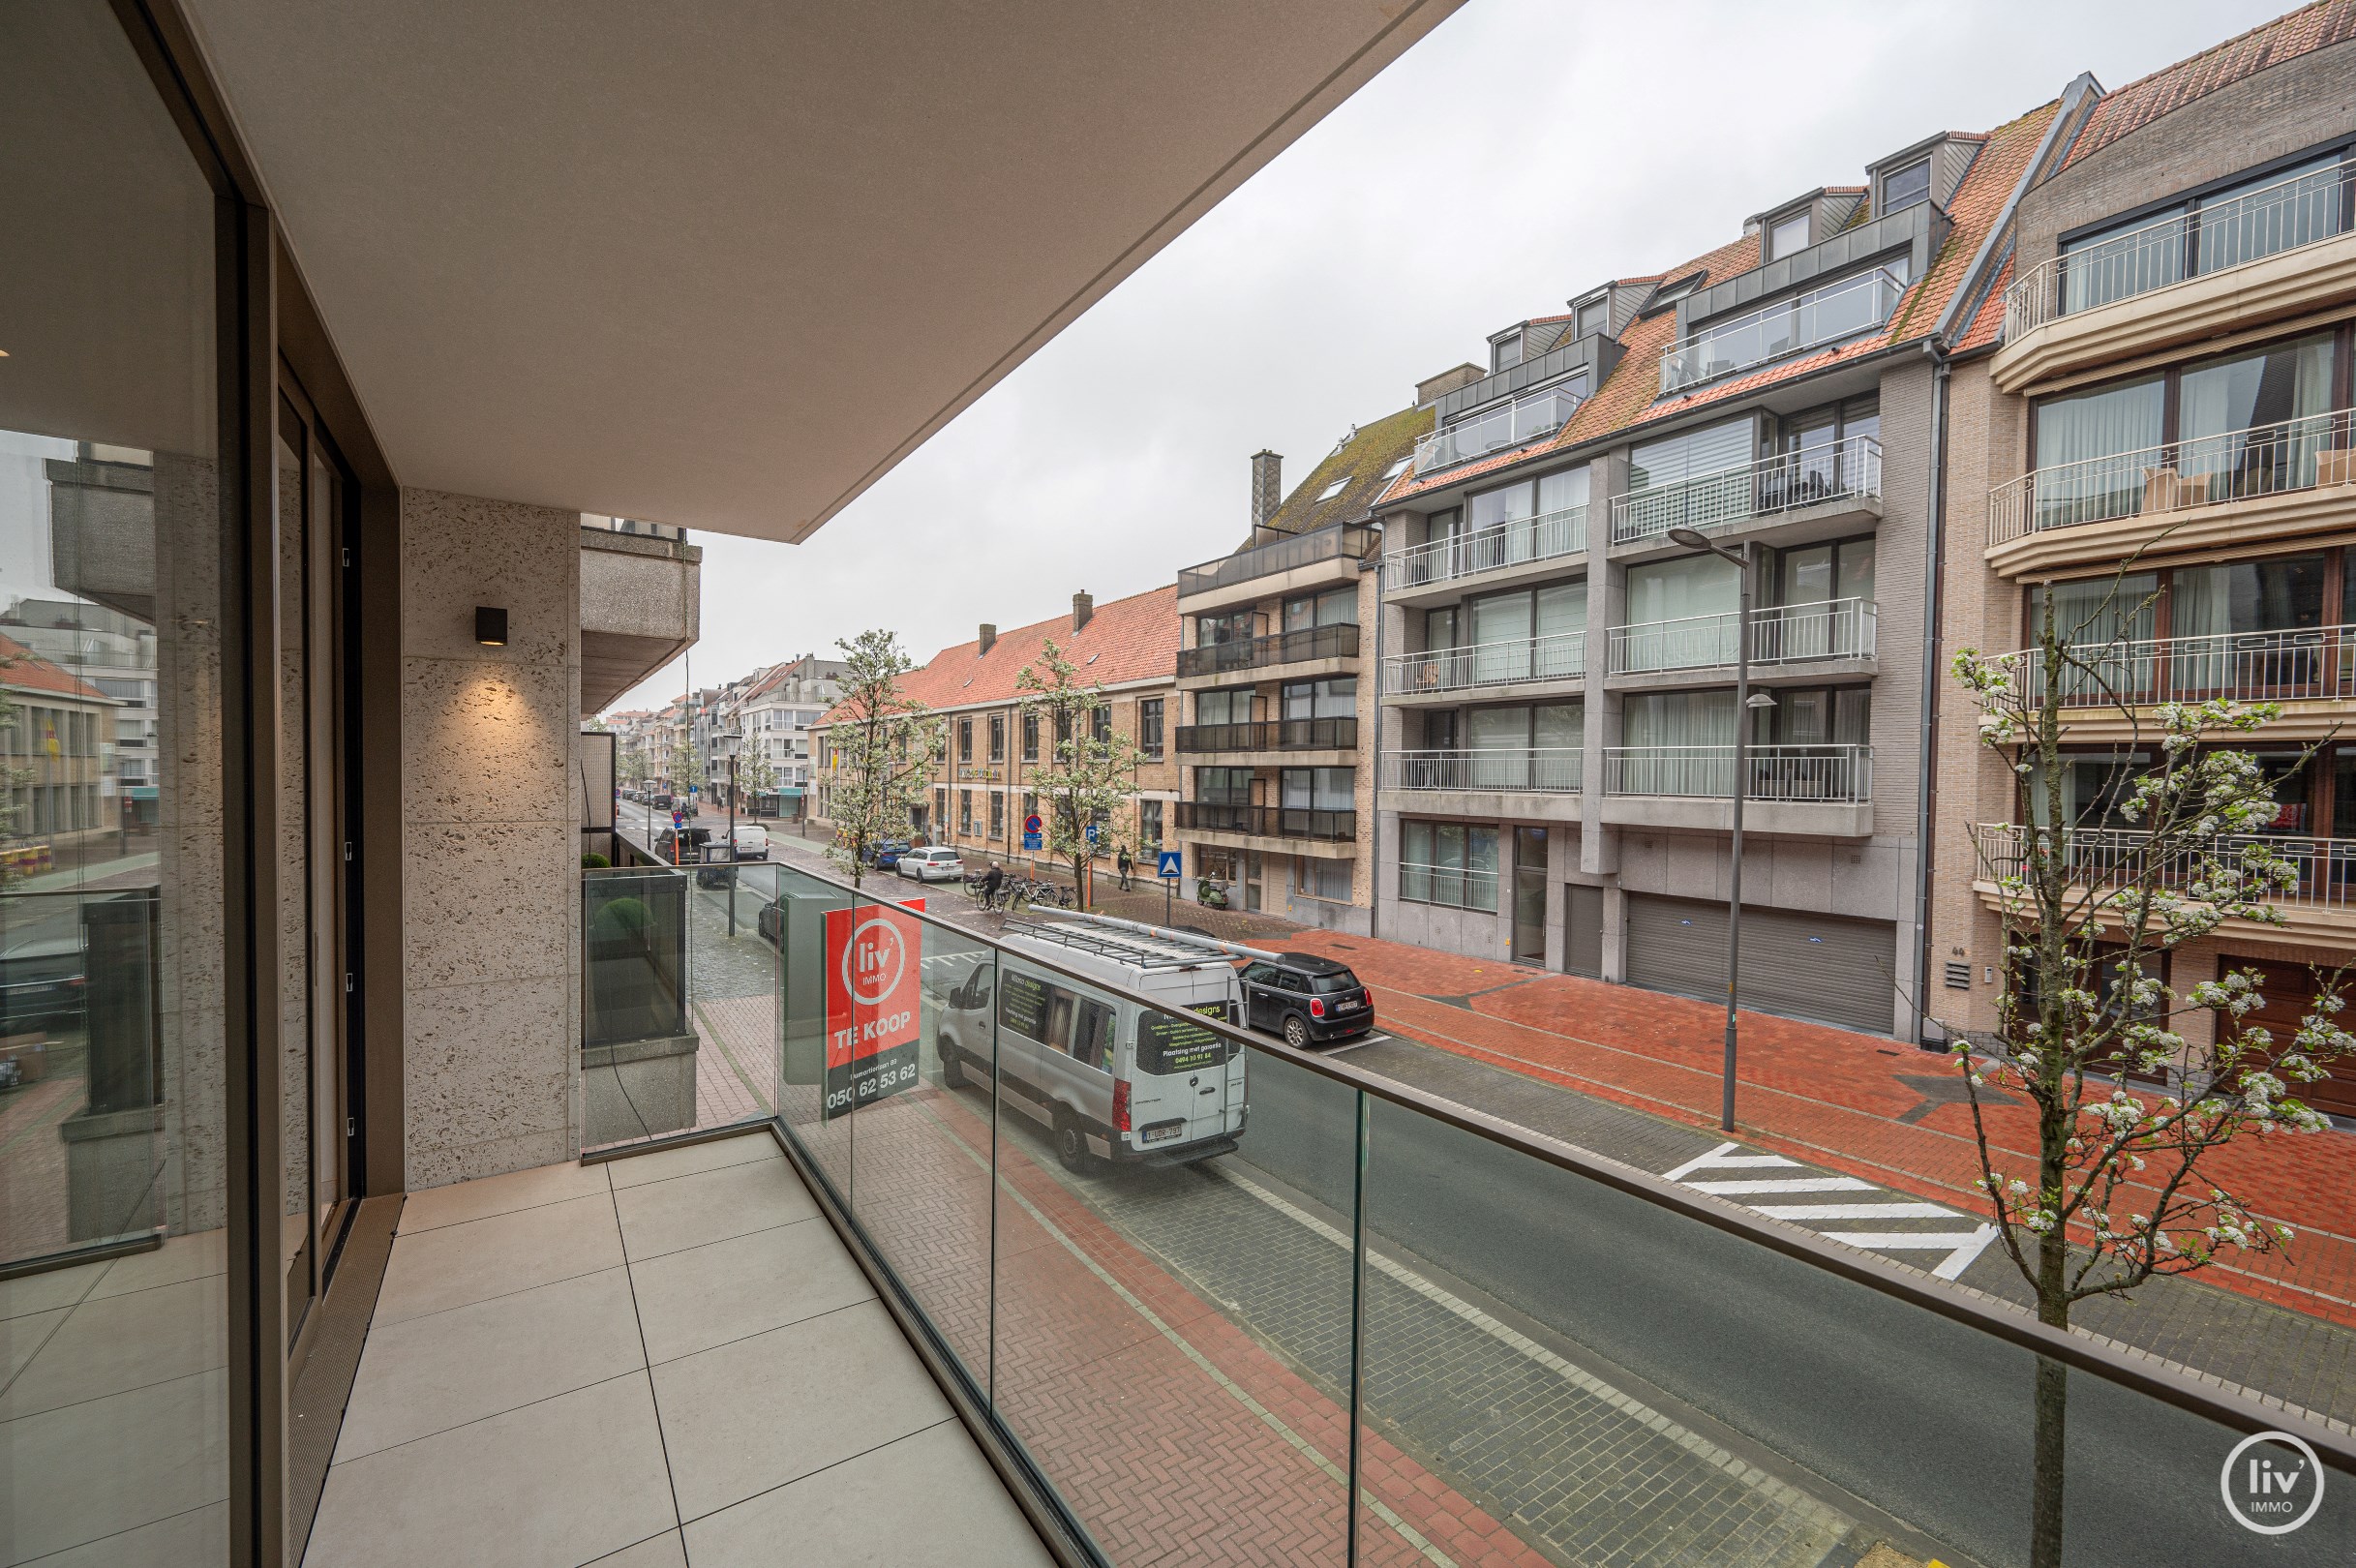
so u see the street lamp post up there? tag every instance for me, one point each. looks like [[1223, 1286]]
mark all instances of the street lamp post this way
[[1693, 540]]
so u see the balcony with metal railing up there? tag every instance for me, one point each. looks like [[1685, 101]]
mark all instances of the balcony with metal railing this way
[[1307, 645], [1522, 542], [1557, 656], [1845, 474], [2286, 459], [1341, 542], [2101, 857], [1314, 823], [2219, 237], [1268, 735], [1780, 634], [1499, 430], [1811, 773], [1815, 319], [2295, 664], [1530, 770]]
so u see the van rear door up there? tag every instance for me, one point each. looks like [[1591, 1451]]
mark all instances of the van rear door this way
[[1186, 1081]]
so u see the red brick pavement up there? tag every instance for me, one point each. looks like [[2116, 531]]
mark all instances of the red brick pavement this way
[[33, 1198], [1821, 1093], [1140, 1421]]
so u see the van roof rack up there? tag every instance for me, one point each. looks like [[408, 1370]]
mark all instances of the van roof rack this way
[[1147, 952]]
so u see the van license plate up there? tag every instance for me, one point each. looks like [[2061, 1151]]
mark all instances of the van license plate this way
[[1162, 1134]]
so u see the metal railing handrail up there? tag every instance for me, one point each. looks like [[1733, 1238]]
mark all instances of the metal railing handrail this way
[[2078, 1349], [1849, 624], [2279, 664], [2305, 453], [1542, 770], [1336, 733], [1320, 824], [2163, 254], [1546, 536], [1838, 773], [1814, 324], [1499, 428], [1336, 641], [1554, 656], [1335, 541], [1850, 468], [2327, 866]]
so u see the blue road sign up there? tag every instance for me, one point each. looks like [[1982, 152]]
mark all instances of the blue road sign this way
[[1171, 865], [1032, 842], [1032, 827]]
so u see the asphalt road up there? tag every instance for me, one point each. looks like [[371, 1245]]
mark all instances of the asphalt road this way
[[1926, 1421]]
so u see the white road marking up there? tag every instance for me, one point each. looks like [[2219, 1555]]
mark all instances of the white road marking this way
[[1786, 1183], [1857, 1211], [1961, 1247]]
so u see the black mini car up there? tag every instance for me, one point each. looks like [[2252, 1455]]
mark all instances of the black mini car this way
[[1310, 1000]]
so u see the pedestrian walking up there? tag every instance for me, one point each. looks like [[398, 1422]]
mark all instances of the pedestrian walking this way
[[1126, 866]]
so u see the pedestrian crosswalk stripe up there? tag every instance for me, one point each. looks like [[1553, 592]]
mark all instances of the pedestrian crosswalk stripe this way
[[1786, 1183], [1961, 1247], [1857, 1211]]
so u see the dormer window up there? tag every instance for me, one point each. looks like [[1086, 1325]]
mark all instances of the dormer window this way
[[1507, 351], [1786, 235], [1335, 488], [1396, 469], [1594, 319], [1904, 188]]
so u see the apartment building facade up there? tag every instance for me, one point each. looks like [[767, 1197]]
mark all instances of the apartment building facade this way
[[984, 785], [773, 721], [1275, 676], [1565, 565], [2153, 426]]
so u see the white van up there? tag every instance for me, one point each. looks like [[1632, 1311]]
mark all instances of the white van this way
[[1109, 1078]]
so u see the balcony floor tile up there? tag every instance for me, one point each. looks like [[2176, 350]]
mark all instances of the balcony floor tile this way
[[711, 1205], [456, 1265], [660, 1166], [732, 1289]]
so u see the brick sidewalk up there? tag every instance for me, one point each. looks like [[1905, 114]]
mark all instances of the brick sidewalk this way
[[1871, 1107]]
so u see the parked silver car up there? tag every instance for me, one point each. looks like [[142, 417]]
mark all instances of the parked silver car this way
[[933, 863]]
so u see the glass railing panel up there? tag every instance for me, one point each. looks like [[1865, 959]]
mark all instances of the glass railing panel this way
[[921, 997], [815, 1099], [1565, 1370]]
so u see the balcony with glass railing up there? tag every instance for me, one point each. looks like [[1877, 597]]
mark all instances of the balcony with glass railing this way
[[2295, 664], [1500, 430], [1780, 634], [1848, 469], [1520, 542], [1315, 823], [1815, 319], [1346, 541], [1537, 769], [1557, 656], [2220, 236], [1268, 735], [1834, 775], [1303, 646], [2177, 476]]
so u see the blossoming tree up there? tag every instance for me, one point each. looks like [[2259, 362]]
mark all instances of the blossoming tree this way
[[2134, 1086], [885, 746]]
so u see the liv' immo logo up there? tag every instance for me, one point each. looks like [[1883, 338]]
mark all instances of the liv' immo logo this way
[[2273, 1483]]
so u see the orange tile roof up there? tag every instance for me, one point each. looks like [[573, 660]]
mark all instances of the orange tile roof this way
[[2139, 102], [1988, 324], [23, 670], [1129, 639]]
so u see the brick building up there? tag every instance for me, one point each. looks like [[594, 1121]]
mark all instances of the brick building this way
[[982, 788]]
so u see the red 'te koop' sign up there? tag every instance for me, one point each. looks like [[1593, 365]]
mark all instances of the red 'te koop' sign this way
[[872, 1014]]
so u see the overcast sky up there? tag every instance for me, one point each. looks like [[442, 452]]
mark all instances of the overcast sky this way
[[1525, 151]]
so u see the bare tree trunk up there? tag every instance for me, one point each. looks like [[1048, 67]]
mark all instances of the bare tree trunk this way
[[2052, 1409]]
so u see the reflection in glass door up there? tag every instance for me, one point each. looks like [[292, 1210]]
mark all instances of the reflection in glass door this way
[[315, 1125], [1529, 895]]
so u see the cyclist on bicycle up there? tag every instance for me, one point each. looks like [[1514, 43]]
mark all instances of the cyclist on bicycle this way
[[991, 880]]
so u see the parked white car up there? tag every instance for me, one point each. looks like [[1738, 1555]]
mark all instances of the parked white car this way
[[934, 863], [752, 841]]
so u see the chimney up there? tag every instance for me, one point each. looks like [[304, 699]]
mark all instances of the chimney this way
[[1083, 605], [1267, 486], [989, 636]]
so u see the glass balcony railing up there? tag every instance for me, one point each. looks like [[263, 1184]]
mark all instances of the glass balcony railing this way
[[1847, 469], [2303, 210], [1557, 656], [1517, 543], [1308, 644], [1347, 541], [1831, 773], [1269, 735], [1215, 1297], [1780, 634], [1539, 770], [1815, 319], [1269, 822], [1516, 424], [2200, 470]]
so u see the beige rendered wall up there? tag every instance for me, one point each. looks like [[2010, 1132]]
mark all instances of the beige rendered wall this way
[[491, 946]]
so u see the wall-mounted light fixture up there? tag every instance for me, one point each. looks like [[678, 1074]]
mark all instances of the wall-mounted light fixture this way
[[491, 625]]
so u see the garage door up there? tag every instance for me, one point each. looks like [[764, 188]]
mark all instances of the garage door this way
[[2289, 990], [1823, 968]]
